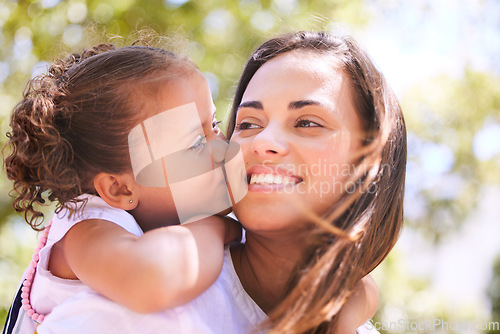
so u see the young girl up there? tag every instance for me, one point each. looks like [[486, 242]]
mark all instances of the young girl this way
[[71, 143]]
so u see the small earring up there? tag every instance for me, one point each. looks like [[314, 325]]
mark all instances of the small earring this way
[[131, 201]]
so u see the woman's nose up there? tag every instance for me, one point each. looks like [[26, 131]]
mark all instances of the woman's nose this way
[[270, 142]]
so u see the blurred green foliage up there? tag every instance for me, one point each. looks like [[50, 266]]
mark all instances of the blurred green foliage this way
[[448, 160], [493, 292], [449, 119]]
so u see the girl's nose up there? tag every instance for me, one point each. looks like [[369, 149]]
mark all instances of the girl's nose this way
[[218, 148], [270, 142]]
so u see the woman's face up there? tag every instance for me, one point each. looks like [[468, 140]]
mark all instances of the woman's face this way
[[298, 129]]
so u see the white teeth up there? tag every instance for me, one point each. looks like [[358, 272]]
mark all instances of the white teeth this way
[[271, 179]]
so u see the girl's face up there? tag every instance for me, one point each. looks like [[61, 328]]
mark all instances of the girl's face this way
[[176, 155], [298, 129]]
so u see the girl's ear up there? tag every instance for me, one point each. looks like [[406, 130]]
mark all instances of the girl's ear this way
[[117, 190]]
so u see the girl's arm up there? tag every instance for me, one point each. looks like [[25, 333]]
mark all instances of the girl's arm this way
[[164, 268], [360, 307]]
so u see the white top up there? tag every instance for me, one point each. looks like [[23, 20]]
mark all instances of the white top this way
[[47, 290], [224, 308]]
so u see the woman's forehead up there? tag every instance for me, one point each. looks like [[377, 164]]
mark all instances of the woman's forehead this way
[[298, 74], [307, 59]]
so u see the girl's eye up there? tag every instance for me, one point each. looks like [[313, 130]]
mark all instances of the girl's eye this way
[[305, 123], [198, 143], [246, 126]]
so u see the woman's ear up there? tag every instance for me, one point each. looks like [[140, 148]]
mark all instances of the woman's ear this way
[[117, 190]]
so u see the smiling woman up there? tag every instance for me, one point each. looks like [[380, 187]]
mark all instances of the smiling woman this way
[[296, 114], [313, 109]]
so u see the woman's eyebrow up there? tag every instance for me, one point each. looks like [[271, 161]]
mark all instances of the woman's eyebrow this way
[[295, 105], [303, 103], [252, 104]]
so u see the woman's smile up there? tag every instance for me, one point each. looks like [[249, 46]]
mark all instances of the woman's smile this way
[[262, 178]]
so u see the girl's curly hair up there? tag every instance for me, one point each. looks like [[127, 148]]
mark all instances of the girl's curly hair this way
[[73, 122]]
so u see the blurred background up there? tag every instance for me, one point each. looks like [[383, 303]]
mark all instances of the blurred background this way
[[441, 57]]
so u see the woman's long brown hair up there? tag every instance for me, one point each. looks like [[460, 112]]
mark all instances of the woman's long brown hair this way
[[358, 232]]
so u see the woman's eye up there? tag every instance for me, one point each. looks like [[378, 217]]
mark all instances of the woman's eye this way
[[215, 124], [197, 143], [246, 126], [304, 123]]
